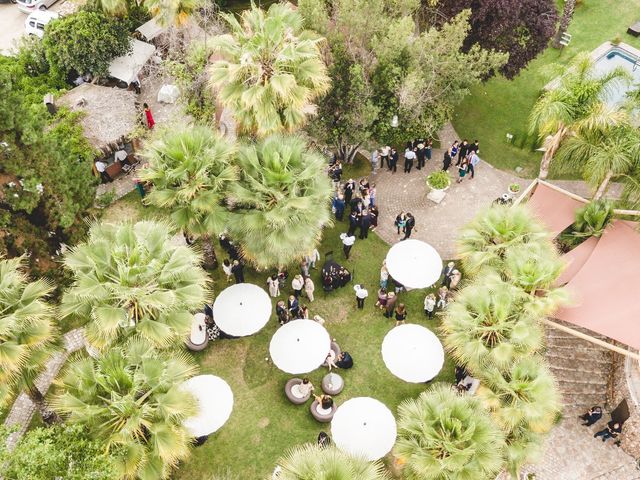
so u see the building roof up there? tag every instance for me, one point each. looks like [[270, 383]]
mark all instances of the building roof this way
[[128, 66]]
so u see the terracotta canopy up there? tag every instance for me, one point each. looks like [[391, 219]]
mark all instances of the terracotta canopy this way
[[553, 208]]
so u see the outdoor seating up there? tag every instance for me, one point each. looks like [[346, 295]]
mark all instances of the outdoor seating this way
[[332, 384], [634, 29], [320, 415], [290, 392], [335, 349], [198, 338]]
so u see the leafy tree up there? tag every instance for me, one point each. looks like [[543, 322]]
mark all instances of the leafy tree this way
[[60, 451], [27, 331], [489, 325], [567, 15], [575, 103], [310, 462], [521, 28], [131, 278], [270, 72], [85, 42], [525, 403], [130, 398], [191, 172], [418, 76], [281, 201], [593, 218], [166, 13], [443, 436]]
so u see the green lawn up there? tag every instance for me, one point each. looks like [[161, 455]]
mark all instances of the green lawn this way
[[501, 106], [263, 423]]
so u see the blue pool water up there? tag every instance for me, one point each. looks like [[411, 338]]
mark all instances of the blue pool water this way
[[619, 58]]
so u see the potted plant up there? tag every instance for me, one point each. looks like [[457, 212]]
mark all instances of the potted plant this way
[[514, 188], [439, 180]]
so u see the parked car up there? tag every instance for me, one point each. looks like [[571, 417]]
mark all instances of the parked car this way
[[28, 6], [36, 21], [8, 1]]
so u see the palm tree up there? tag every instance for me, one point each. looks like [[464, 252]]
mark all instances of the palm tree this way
[[271, 70], [27, 331], [165, 12], [567, 14], [311, 462], [281, 202], [489, 325], [486, 240], [602, 155], [443, 436], [577, 101], [191, 171], [131, 398], [525, 403], [129, 277]]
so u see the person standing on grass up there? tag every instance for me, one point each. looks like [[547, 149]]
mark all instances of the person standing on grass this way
[[409, 226], [446, 274], [238, 271], [274, 285], [391, 304], [339, 206], [348, 239], [429, 305], [226, 268], [443, 292], [361, 294], [297, 284], [401, 314], [293, 306], [353, 223], [474, 160], [409, 157], [312, 258], [365, 223], [393, 160], [384, 275], [309, 288]]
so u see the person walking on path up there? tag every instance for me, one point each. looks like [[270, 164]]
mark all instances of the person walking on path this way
[[365, 223], [429, 305], [309, 288], [446, 163], [238, 271], [391, 304], [348, 239], [393, 161], [409, 157], [409, 226], [297, 284], [361, 294], [474, 160], [274, 285], [384, 156], [149, 121], [400, 222]]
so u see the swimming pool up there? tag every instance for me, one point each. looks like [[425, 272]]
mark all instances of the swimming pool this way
[[608, 57]]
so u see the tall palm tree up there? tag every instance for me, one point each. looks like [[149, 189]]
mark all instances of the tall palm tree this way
[[311, 462], [131, 398], [525, 403], [191, 171], [271, 70], [489, 325], [281, 202], [486, 240], [129, 277], [445, 436], [567, 14], [576, 101], [602, 155], [27, 330]]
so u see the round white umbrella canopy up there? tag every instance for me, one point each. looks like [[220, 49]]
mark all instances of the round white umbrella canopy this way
[[364, 426], [413, 263], [300, 346], [412, 353], [242, 309], [215, 402]]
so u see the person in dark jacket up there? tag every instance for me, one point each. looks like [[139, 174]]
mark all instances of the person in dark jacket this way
[[339, 205], [409, 226], [464, 149], [353, 223], [238, 271], [592, 416], [393, 160], [365, 223], [446, 163], [344, 360], [612, 430]]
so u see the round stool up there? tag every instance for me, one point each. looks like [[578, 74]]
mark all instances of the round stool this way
[[291, 396], [332, 384], [322, 417]]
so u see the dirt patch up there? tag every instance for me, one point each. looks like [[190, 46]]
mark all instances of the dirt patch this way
[[263, 422]]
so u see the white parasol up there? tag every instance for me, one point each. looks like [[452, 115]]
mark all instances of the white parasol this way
[[215, 402], [242, 309], [412, 353], [413, 263], [300, 346], [364, 426]]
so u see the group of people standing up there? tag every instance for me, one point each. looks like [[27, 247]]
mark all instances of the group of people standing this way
[[465, 156], [418, 150]]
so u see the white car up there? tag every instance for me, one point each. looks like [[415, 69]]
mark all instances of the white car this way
[[28, 6], [35, 22]]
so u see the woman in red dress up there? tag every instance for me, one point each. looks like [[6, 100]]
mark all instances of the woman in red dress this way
[[149, 116]]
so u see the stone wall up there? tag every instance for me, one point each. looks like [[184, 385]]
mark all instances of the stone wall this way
[[626, 375]]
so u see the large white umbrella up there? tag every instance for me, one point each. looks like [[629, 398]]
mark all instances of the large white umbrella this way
[[364, 426], [412, 353], [300, 346], [413, 263], [242, 309], [215, 402]]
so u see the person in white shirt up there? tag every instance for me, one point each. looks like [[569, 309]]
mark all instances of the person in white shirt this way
[[309, 287], [101, 167], [312, 258], [409, 157], [297, 284], [384, 155], [347, 243], [474, 160], [361, 294]]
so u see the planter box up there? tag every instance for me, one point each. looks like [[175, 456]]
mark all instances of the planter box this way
[[437, 195]]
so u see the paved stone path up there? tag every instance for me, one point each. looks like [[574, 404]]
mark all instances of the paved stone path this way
[[23, 408]]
